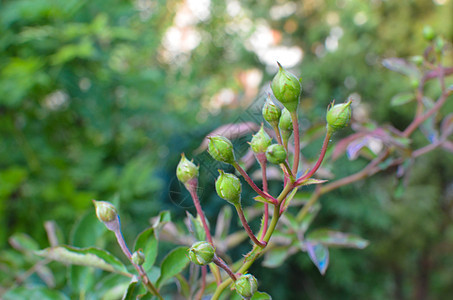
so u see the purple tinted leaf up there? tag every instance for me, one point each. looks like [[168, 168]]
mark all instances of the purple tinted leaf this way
[[446, 128], [402, 66], [319, 255], [401, 98], [335, 238]]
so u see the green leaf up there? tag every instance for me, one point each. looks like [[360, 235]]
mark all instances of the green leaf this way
[[312, 181], [262, 199], [401, 98], [276, 257], [148, 242], [319, 255], [34, 293], [184, 286], [133, 289], [223, 222], [290, 198], [87, 230], [89, 257], [402, 66], [196, 227], [261, 296], [112, 286], [172, 264], [23, 242], [163, 218], [309, 217], [335, 238]]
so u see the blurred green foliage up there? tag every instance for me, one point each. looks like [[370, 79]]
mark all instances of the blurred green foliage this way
[[90, 107]]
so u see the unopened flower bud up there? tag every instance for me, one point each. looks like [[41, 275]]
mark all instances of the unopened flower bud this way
[[201, 253], [286, 88], [221, 149], [186, 170], [286, 126], [439, 44], [228, 187], [246, 285], [260, 141], [428, 33], [338, 116], [138, 257], [271, 112], [105, 211], [276, 154]]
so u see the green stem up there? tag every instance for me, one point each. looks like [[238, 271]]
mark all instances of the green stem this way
[[252, 255], [149, 286]]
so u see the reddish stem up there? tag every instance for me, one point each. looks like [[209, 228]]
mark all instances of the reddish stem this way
[[191, 186], [296, 142], [203, 282], [261, 157], [247, 227], [325, 144], [219, 262], [252, 184]]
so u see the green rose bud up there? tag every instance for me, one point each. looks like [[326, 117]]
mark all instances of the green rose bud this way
[[276, 154], [286, 126], [186, 170], [286, 88], [260, 141], [201, 253], [228, 187], [439, 44], [428, 33], [271, 112], [246, 285], [286, 123], [105, 211], [338, 115], [138, 257], [221, 149]]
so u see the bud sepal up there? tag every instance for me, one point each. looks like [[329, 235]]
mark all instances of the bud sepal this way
[[229, 187], [201, 253], [246, 285], [286, 88], [338, 115], [186, 170], [221, 149]]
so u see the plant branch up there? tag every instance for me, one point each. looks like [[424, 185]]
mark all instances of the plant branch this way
[[325, 144], [295, 121], [252, 184], [150, 287], [247, 227]]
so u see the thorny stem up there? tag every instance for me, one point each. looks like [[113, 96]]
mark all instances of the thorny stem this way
[[263, 163], [191, 186], [325, 144], [151, 288], [252, 184], [247, 227], [219, 262]]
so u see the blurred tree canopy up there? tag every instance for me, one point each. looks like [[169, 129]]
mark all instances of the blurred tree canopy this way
[[99, 98]]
